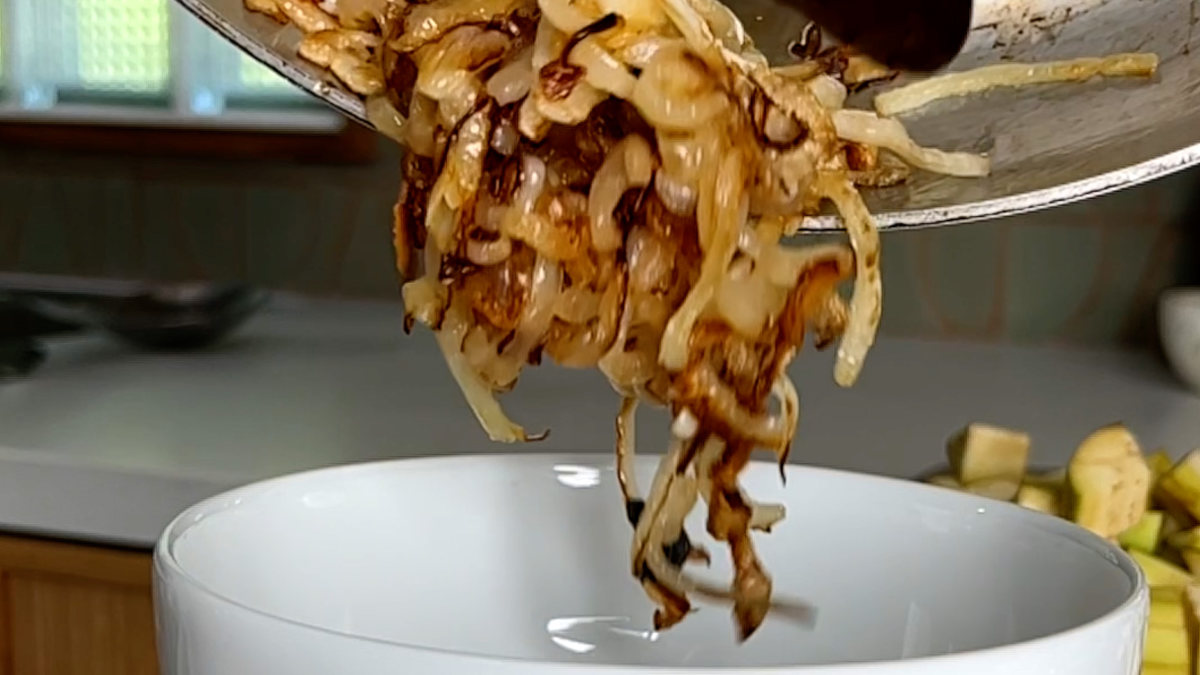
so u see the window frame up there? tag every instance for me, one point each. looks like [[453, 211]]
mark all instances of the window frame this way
[[289, 129]]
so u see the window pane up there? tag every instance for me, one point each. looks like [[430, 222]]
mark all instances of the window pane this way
[[258, 85], [110, 58], [229, 76], [122, 44], [92, 47], [258, 78]]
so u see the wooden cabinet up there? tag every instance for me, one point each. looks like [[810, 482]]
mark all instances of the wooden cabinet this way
[[72, 609]]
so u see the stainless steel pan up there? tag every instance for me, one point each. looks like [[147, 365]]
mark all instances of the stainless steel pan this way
[[1050, 144]]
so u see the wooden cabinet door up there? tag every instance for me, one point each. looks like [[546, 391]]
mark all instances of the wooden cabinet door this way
[[71, 609]]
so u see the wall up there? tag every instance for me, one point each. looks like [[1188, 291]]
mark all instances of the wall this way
[[1086, 272]]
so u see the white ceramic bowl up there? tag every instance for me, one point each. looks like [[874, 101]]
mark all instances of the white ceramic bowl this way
[[1179, 327], [518, 564]]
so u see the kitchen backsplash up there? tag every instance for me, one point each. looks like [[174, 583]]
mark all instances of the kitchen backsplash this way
[[1085, 273]]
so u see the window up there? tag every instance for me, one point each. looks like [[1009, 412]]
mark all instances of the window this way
[[141, 63]]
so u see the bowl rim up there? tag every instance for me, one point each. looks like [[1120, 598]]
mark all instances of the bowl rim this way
[[167, 566]]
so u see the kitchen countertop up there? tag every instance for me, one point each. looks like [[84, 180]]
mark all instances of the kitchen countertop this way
[[107, 444]]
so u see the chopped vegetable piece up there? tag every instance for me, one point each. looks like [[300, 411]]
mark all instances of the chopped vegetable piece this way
[[1159, 572], [1109, 482], [983, 452], [1173, 521], [1144, 536], [1001, 489], [1157, 669], [1186, 539], [1182, 483], [1054, 479], [945, 480], [1191, 558], [1040, 498], [1166, 607], [1191, 619], [1166, 646], [1160, 464]]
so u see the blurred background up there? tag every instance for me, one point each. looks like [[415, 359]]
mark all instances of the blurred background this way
[[135, 143]]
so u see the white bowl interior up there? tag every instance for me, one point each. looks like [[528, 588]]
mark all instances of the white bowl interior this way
[[527, 557]]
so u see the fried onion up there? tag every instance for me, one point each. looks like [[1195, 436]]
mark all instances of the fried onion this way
[[606, 183]]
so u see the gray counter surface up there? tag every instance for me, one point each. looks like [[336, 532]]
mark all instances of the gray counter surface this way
[[107, 444]]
